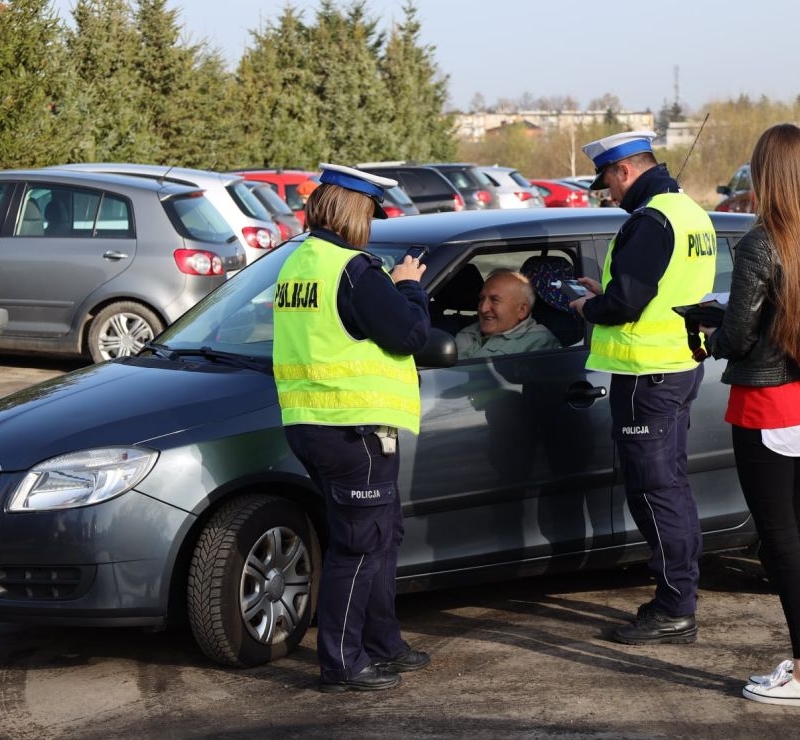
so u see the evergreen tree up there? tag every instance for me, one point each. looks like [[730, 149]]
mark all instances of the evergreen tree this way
[[164, 69], [351, 94], [418, 128], [111, 103], [277, 90], [31, 58]]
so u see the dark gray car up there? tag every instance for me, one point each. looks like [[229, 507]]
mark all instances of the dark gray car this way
[[428, 188], [164, 485], [97, 265]]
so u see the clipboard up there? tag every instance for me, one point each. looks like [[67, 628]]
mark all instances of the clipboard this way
[[708, 311]]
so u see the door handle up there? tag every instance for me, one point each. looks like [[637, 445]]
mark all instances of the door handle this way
[[114, 255], [583, 394]]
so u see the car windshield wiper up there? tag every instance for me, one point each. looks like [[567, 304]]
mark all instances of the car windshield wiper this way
[[161, 350], [261, 364]]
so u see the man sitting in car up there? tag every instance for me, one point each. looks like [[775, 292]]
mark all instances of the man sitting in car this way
[[504, 321]]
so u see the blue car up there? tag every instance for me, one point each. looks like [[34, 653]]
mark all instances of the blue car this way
[[156, 488]]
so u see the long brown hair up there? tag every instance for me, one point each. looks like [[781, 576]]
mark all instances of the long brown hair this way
[[345, 212], [775, 171]]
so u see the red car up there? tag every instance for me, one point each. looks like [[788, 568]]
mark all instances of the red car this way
[[738, 195], [560, 194]]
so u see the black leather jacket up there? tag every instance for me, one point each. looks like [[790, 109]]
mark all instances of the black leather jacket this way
[[744, 337]]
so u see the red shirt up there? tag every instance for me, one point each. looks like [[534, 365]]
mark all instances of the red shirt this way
[[770, 407]]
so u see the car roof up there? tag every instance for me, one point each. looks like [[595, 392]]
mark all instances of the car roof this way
[[81, 177], [499, 224], [192, 176]]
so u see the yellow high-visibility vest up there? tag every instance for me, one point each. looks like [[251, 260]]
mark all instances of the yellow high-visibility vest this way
[[324, 375], [657, 342]]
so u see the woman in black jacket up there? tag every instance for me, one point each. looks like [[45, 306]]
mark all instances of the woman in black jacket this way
[[760, 337]]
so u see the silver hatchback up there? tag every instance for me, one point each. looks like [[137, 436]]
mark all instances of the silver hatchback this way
[[250, 220], [514, 190], [97, 265]]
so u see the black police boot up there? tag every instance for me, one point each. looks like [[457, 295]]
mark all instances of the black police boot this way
[[372, 678], [653, 626], [408, 660]]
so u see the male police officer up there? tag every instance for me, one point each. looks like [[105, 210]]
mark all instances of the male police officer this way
[[663, 256]]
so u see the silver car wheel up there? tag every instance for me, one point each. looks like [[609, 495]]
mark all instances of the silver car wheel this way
[[276, 585], [124, 334], [253, 580], [121, 329]]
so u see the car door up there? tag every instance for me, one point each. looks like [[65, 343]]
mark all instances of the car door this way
[[62, 244], [514, 461]]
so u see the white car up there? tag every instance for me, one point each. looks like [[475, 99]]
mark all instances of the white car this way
[[514, 190], [247, 216]]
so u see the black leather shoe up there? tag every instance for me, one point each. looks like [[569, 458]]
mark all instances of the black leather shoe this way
[[372, 678], [644, 610], [408, 660], [655, 627]]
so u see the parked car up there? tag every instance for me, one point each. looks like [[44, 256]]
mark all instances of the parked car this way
[[248, 218], [596, 197], [476, 189], [738, 195], [428, 188], [513, 189], [396, 202], [164, 485], [284, 182], [558, 194], [97, 265], [285, 218]]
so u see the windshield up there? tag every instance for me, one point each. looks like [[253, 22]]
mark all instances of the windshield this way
[[237, 316]]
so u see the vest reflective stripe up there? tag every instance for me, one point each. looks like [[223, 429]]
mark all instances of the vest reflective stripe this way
[[324, 376], [657, 342]]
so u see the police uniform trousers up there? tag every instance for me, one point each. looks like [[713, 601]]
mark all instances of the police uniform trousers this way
[[650, 421], [356, 608]]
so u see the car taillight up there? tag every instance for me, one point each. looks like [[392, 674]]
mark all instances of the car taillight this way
[[393, 211], [198, 262], [458, 203], [576, 199], [258, 238], [484, 197], [286, 232], [524, 195]]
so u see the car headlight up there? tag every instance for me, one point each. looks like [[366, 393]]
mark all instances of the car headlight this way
[[81, 478]]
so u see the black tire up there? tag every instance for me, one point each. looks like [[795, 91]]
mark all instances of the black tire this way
[[253, 581], [121, 329]]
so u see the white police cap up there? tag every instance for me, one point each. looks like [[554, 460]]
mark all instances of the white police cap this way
[[350, 178], [611, 149]]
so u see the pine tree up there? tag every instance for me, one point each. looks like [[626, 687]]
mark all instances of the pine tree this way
[[110, 101], [31, 76]]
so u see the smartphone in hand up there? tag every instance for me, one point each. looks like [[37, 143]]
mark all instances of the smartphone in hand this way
[[416, 251], [571, 288]]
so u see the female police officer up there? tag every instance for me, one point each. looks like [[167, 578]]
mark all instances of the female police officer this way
[[345, 332]]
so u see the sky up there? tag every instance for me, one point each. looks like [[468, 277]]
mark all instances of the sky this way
[[646, 54]]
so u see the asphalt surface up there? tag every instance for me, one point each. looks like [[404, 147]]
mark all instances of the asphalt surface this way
[[522, 659]]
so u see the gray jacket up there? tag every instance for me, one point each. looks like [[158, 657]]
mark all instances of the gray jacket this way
[[744, 337], [526, 336]]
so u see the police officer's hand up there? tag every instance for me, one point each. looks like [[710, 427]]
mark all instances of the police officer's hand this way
[[592, 285], [408, 269]]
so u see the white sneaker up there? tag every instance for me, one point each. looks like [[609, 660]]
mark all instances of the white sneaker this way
[[787, 666], [785, 691]]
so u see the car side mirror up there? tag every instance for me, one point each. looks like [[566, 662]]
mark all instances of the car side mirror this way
[[723, 190], [439, 351]]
